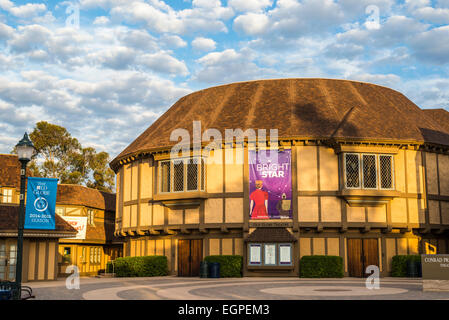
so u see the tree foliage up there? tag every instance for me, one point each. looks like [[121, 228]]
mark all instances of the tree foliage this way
[[59, 155]]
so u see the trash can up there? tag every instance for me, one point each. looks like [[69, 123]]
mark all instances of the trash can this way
[[204, 269], [419, 268], [412, 270], [214, 270]]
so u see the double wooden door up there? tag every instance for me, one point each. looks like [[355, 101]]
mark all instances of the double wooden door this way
[[361, 254], [190, 254], [8, 260]]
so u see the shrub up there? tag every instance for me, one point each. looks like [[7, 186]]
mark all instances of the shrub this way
[[321, 267], [399, 264], [230, 266], [148, 266]]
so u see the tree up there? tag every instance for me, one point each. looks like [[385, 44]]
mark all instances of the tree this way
[[59, 155]]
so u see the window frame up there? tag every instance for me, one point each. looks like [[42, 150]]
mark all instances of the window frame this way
[[8, 194], [362, 174], [378, 171], [200, 175], [346, 174], [393, 185]]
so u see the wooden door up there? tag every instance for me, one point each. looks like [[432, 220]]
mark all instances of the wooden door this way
[[190, 254], [361, 254], [370, 254]]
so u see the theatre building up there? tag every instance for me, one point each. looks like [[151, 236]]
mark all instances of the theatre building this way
[[357, 170]]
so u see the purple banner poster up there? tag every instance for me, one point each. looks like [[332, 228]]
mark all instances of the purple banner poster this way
[[270, 185]]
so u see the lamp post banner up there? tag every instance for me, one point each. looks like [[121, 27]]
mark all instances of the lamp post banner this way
[[40, 204], [270, 185]]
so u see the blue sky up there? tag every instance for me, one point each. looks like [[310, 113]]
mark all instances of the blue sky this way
[[108, 78]]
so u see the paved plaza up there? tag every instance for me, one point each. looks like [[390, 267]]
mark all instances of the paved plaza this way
[[174, 288]]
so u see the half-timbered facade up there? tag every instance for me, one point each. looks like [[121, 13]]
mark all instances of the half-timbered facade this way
[[369, 178]]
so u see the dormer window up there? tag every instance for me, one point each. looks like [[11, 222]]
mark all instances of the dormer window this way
[[368, 171]]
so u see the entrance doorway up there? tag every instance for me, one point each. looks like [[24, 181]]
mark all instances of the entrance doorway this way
[[190, 254], [361, 254], [8, 256]]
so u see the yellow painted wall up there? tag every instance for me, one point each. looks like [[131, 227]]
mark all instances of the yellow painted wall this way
[[307, 168], [355, 214], [328, 169], [127, 182], [234, 170], [213, 211], [414, 172], [226, 246], [319, 246], [192, 216], [399, 210], [174, 216], [377, 214], [126, 221], [119, 198], [158, 214], [134, 179], [330, 209], [390, 245], [304, 247], [234, 210], [399, 171], [307, 209], [214, 247], [333, 246], [134, 215], [214, 172], [145, 214], [146, 184], [238, 246]]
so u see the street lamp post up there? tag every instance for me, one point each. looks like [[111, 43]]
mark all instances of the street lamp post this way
[[25, 151]]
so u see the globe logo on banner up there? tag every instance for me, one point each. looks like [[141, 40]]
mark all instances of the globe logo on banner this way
[[40, 203]]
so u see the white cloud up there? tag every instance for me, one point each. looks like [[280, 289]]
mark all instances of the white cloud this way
[[434, 15], [430, 47], [160, 17], [163, 62], [28, 10], [203, 44], [173, 41], [250, 5], [102, 20], [229, 66], [251, 23]]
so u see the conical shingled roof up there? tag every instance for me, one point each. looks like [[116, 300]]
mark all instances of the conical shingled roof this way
[[309, 108]]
